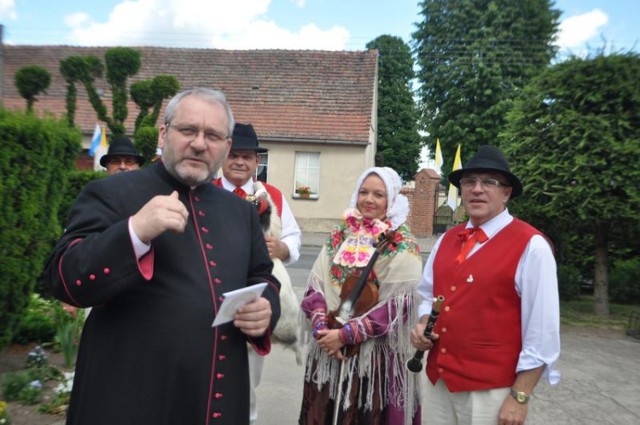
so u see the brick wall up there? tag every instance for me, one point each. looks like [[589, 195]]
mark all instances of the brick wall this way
[[423, 200]]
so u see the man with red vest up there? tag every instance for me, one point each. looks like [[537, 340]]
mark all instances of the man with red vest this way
[[239, 170], [498, 331]]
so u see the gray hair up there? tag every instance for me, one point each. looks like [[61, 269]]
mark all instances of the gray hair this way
[[213, 96]]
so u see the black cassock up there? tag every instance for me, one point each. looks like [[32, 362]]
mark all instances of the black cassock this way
[[148, 353]]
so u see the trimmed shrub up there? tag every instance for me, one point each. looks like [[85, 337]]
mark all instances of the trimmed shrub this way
[[35, 157], [146, 142], [78, 179]]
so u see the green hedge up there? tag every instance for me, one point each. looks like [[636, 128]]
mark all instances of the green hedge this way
[[35, 157], [624, 281], [77, 180]]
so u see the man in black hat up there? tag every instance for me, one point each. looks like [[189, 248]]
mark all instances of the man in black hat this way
[[238, 175], [121, 157], [282, 238], [498, 331]]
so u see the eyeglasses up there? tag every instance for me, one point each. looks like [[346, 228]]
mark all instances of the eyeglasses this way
[[470, 183], [188, 132], [117, 160]]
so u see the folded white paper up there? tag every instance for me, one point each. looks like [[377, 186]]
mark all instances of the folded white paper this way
[[233, 300]]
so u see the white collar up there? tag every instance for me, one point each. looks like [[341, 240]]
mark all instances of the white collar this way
[[494, 225], [247, 187]]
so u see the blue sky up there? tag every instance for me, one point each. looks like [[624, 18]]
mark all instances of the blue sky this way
[[276, 24]]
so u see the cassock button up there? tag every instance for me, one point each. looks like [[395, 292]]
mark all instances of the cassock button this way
[[440, 371], [197, 199], [106, 270], [443, 350], [218, 395], [200, 213], [78, 282], [212, 263], [453, 288], [224, 337], [221, 298], [222, 357], [447, 308], [220, 375], [209, 246], [443, 330], [217, 415], [92, 276], [204, 230], [217, 280]]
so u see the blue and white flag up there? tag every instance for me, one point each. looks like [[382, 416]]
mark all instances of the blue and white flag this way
[[95, 140]]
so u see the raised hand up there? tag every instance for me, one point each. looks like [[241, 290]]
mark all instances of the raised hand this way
[[160, 214]]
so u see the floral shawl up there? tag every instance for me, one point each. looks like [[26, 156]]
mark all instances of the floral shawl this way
[[385, 328]]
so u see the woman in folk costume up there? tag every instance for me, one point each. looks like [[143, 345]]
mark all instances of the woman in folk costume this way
[[372, 386]]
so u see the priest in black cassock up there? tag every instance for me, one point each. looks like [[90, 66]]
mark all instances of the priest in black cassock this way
[[153, 251]]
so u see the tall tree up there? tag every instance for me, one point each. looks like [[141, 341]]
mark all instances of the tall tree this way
[[32, 80], [399, 142], [576, 135], [474, 56]]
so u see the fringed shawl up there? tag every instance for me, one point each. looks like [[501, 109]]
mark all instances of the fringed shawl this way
[[397, 270]]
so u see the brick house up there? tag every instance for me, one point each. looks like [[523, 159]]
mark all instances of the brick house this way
[[316, 111]]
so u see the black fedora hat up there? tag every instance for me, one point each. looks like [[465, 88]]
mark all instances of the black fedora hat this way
[[245, 139], [488, 158], [121, 146]]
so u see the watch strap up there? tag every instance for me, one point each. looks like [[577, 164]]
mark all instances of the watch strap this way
[[520, 396]]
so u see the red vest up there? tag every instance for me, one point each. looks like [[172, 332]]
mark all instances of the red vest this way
[[479, 323], [274, 193]]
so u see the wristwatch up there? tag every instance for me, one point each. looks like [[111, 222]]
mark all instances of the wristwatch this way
[[520, 396]]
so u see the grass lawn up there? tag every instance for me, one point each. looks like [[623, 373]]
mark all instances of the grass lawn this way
[[579, 312]]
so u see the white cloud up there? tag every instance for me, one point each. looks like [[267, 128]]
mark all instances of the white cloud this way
[[238, 24], [577, 30], [267, 35], [77, 19], [299, 3], [8, 9]]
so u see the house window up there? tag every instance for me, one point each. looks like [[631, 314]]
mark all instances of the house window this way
[[261, 170], [307, 177]]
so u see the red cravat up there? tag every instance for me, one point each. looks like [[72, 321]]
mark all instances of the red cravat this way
[[240, 192], [469, 237]]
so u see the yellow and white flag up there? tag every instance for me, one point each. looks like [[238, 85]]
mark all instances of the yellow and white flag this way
[[439, 160], [452, 199]]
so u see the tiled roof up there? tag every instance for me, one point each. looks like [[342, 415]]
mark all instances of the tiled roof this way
[[286, 94]]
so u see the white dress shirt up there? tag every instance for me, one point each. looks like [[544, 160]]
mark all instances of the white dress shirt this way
[[536, 283], [290, 235]]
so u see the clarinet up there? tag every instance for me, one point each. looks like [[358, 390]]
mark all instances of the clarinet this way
[[415, 364]]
